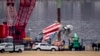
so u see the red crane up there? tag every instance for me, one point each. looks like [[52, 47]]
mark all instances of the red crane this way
[[18, 20]]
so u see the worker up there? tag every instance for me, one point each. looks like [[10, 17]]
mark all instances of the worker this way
[[93, 46], [98, 46], [63, 42]]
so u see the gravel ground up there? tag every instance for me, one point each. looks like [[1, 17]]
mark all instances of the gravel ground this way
[[53, 53]]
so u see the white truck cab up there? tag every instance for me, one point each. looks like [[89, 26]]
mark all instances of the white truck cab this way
[[10, 47]]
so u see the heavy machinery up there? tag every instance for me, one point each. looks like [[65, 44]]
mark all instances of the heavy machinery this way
[[75, 44], [53, 30], [17, 21]]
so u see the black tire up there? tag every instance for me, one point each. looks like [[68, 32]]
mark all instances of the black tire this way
[[53, 49], [20, 51], [2, 51], [38, 49]]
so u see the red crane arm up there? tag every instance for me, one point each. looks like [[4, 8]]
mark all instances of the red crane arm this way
[[25, 9], [21, 18]]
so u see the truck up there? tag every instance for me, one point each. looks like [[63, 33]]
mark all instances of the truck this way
[[11, 47]]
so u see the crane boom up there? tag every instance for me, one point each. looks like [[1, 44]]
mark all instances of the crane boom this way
[[25, 9], [20, 19]]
